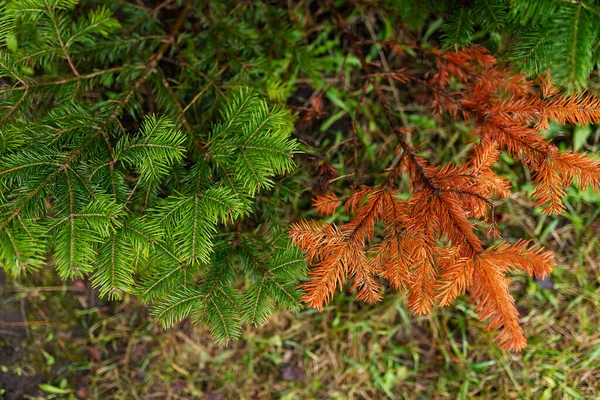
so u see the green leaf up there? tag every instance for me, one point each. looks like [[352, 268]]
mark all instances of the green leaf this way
[[115, 266], [53, 389], [221, 300], [580, 136]]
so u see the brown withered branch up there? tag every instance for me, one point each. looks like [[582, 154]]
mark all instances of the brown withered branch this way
[[430, 247]]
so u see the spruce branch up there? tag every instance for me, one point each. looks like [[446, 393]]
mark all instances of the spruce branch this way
[[98, 178]]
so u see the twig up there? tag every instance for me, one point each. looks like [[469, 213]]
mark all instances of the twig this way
[[70, 79], [47, 289], [388, 71], [24, 324], [210, 83], [355, 132], [24, 316]]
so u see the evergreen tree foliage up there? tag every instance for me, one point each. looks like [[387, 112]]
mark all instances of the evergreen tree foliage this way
[[123, 159], [537, 35]]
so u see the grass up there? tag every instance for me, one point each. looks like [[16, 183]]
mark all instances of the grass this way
[[349, 351]]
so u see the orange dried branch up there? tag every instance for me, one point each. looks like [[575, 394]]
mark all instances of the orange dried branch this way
[[340, 254], [326, 246], [422, 279], [429, 245], [533, 259], [394, 257], [368, 289], [326, 204], [325, 278], [362, 226], [312, 237], [456, 278], [491, 293], [356, 199], [583, 108]]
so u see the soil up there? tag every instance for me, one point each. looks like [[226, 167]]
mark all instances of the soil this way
[[12, 340]]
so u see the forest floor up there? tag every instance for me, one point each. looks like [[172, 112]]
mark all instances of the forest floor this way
[[61, 342]]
